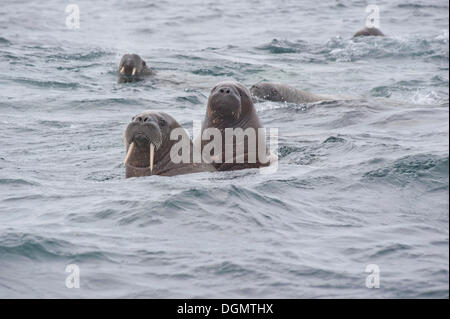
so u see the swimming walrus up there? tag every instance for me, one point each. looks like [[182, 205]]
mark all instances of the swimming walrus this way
[[368, 32], [132, 67], [278, 92], [230, 110], [149, 147]]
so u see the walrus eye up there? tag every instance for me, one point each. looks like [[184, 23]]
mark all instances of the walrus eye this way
[[162, 122]]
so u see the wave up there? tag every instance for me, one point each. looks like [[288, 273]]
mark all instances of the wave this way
[[409, 5], [47, 84], [91, 103], [79, 56], [16, 182], [214, 71], [42, 248], [414, 93], [307, 155], [284, 46], [342, 50], [4, 41], [339, 49], [427, 169]]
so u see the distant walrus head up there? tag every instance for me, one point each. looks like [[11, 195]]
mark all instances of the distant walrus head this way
[[368, 32], [266, 91], [132, 65]]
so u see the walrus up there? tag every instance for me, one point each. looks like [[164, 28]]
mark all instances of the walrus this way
[[230, 107], [278, 92], [368, 32], [133, 67], [148, 146]]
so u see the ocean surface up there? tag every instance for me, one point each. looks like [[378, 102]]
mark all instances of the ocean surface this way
[[362, 180]]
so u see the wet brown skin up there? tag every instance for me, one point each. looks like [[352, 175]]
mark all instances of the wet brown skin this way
[[368, 32], [132, 68], [230, 106], [278, 92], [155, 127]]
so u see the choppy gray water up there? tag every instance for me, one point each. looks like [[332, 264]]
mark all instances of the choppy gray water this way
[[363, 181]]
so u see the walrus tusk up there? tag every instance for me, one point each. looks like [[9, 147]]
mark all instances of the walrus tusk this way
[[122, 70], [130, 150], [152, 156], [134, 71]]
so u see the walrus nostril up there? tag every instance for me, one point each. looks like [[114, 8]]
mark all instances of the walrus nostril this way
[[138, 119], [225, 90]]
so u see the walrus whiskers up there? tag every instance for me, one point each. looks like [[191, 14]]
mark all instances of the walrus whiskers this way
[[130, 150], [152, 156]]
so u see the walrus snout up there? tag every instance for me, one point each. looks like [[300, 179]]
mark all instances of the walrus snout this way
[[143, 131], [225, 90], [143, 138], [225, 101], [128, 69], [132, 65]]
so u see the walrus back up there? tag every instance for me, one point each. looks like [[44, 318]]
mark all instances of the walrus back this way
[[366, 32], [292, 95]]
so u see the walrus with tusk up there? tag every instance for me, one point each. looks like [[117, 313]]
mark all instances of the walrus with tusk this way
[[148, 145], [133, 67]]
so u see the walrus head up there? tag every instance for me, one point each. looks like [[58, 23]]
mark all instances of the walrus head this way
[[228, 101], [266, 91], [368, 32], [147, 140], [230, 107], [132, 65]]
